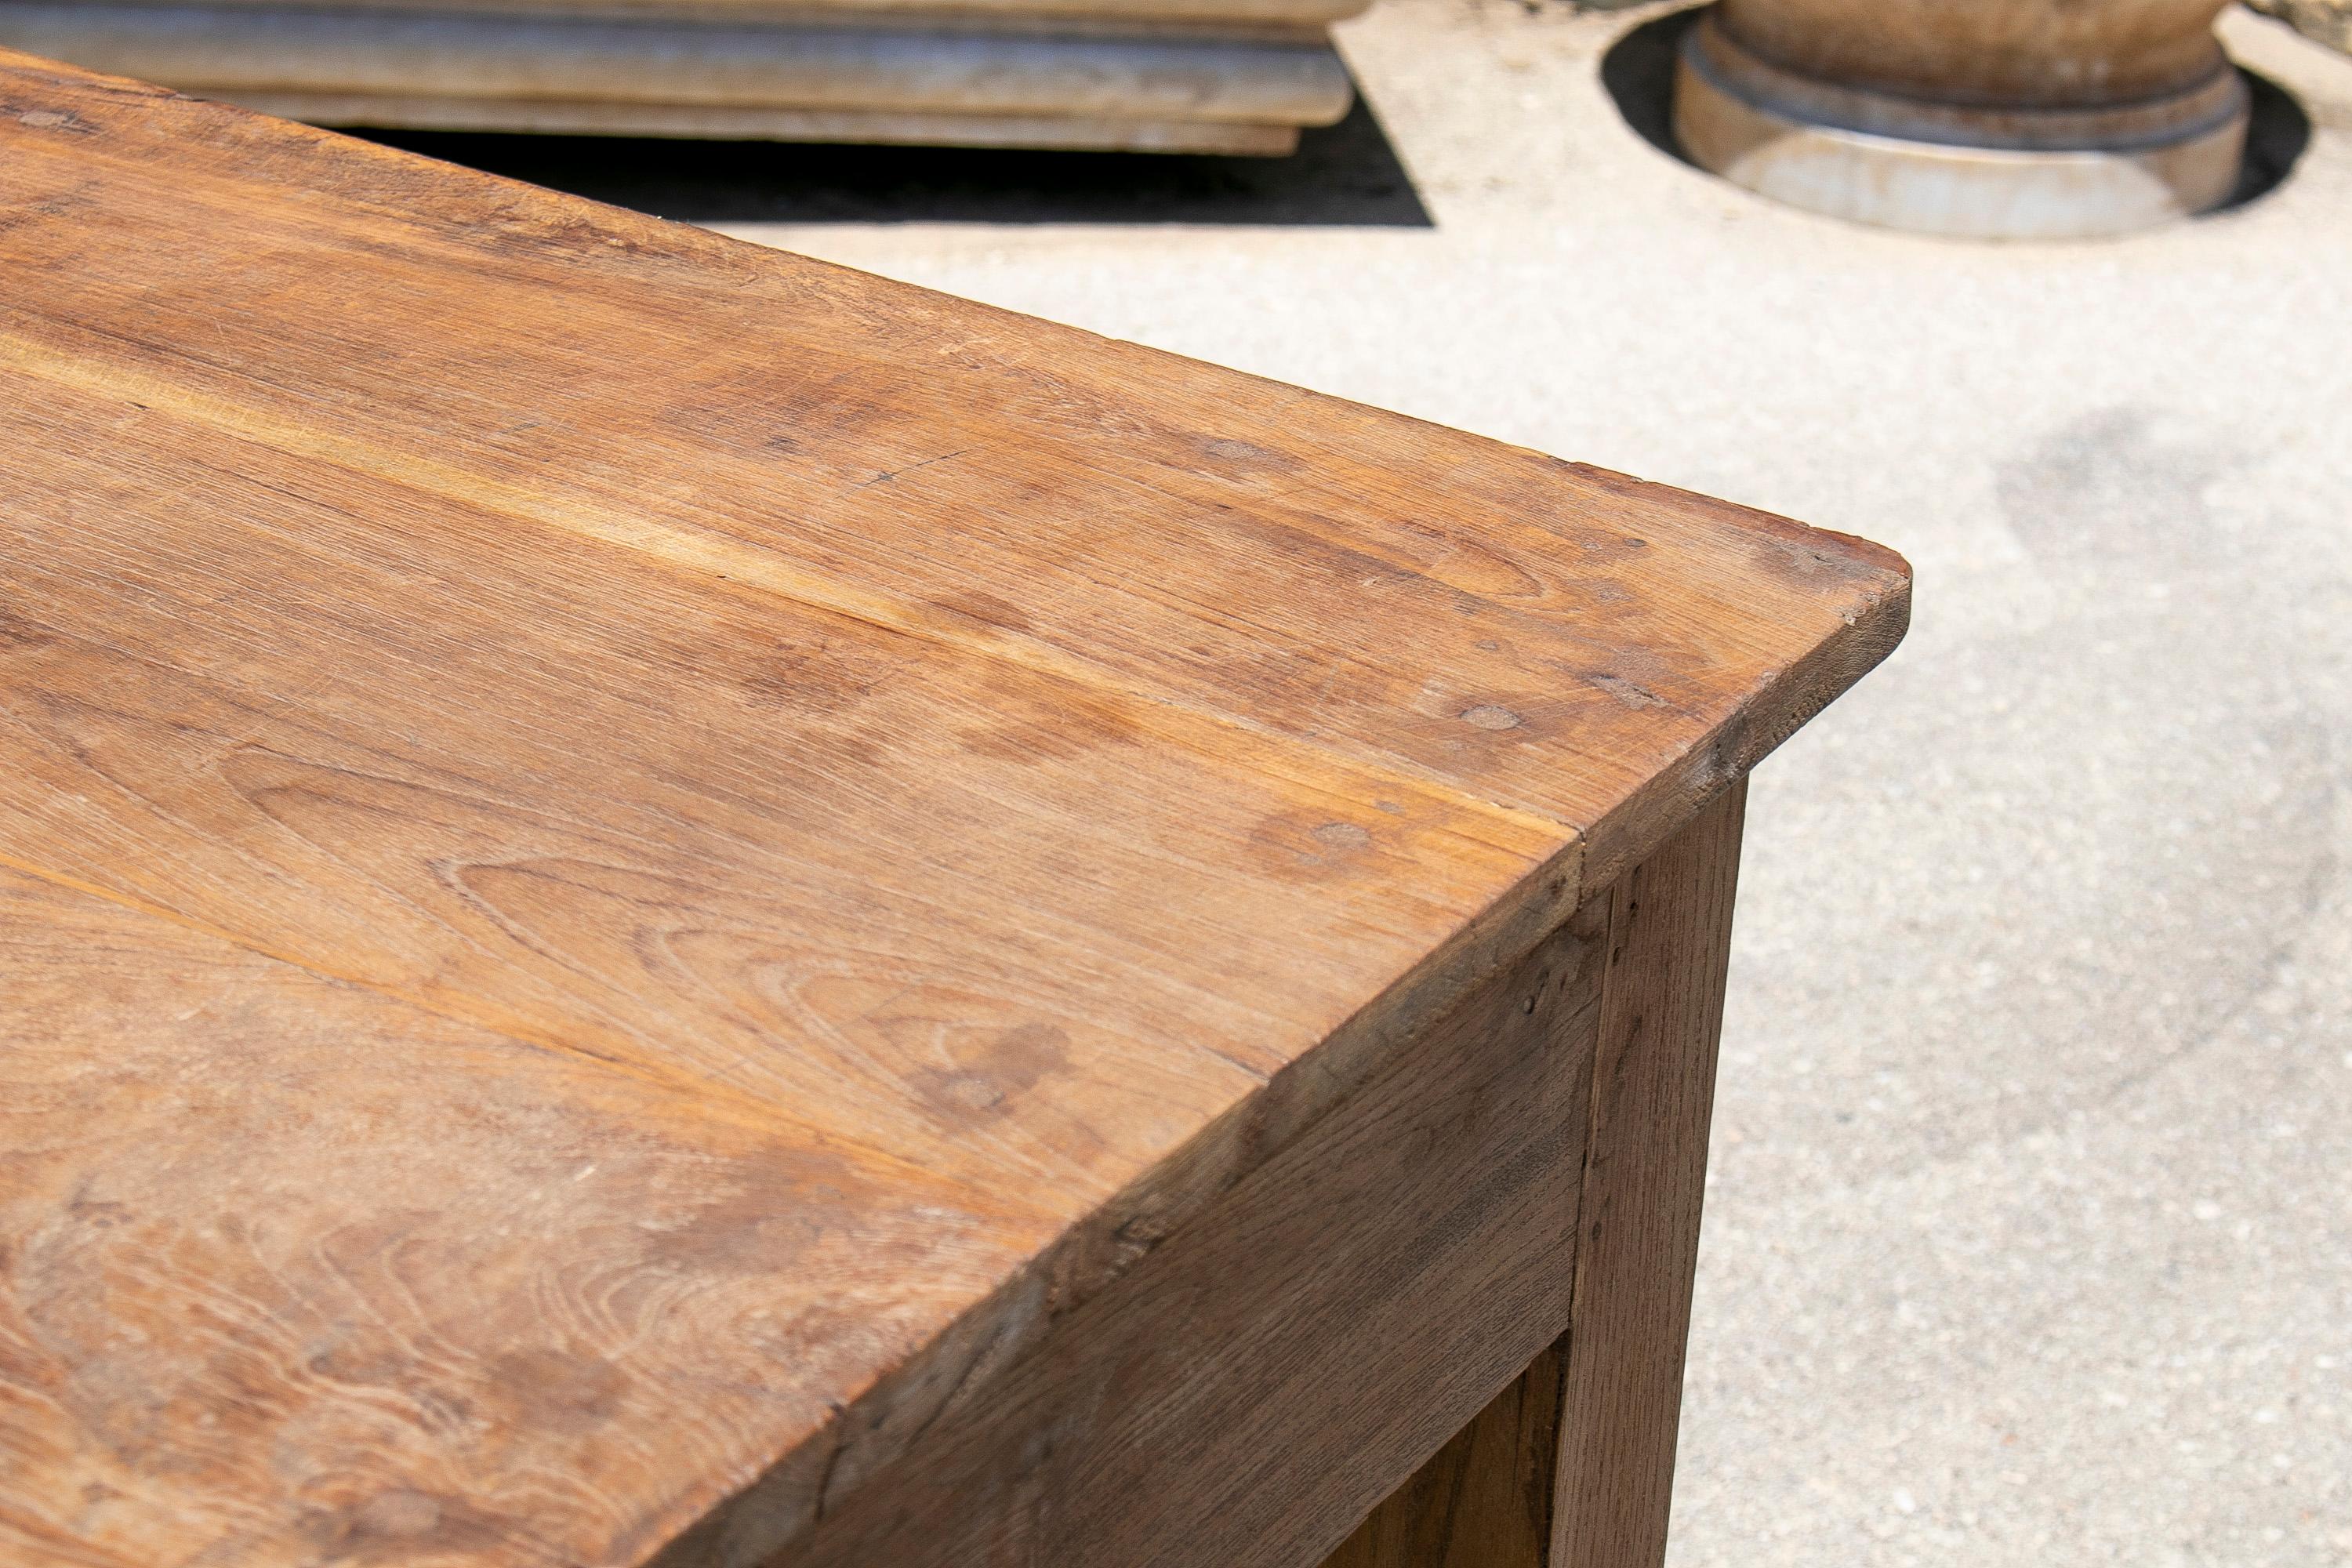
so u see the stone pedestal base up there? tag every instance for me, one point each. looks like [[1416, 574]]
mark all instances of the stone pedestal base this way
[[1971, 170]]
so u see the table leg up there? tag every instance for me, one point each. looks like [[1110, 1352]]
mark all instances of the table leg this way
[[1573, 1465]]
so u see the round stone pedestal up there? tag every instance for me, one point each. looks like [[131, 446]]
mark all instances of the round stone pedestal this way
[[1990, 119]]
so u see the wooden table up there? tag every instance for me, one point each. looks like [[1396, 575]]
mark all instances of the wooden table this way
[[660, 903]]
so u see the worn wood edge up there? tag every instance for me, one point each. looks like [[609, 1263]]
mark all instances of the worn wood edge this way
[[1648, 819], [692, 121], [1845, 552], [960, 1366]]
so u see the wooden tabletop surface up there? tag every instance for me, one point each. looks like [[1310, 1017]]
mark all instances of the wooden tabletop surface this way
[[613, 842]]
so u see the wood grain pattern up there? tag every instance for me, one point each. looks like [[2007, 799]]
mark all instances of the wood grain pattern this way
[[1564, 643], [298, 1273], [964, 794], [1645, 1179]]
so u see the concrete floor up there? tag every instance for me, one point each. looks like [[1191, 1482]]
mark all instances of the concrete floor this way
[[2029, 1237]]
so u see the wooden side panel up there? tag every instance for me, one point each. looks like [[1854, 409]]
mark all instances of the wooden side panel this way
[[1644, 1175], [1573, 1465], [1256, 1384]]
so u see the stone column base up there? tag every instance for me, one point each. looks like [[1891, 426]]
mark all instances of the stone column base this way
[[1957, 170]]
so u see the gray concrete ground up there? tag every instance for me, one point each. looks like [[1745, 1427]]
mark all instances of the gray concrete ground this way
[[2029, 1237]]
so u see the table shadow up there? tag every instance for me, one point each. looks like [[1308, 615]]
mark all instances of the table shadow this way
[[1343, 175]]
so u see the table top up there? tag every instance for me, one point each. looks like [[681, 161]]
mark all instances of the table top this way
[[607, 836]]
